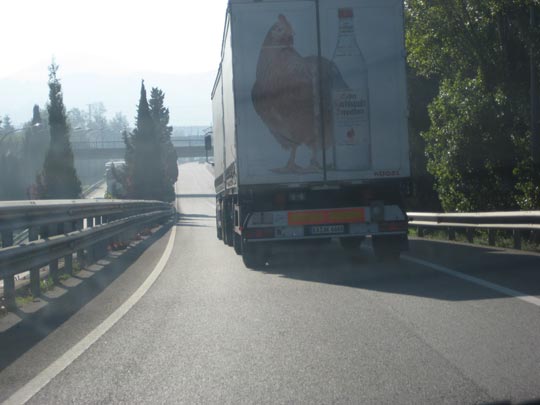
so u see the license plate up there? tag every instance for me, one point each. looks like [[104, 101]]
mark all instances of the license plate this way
[[326, 229]]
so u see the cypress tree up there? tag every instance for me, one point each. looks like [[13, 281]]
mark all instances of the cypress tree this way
[[148, 177], [58, 179], [34, 148], [129, 157], [169, 157], [7, 126]]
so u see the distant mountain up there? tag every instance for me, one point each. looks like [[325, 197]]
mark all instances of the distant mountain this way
[[186, 95]]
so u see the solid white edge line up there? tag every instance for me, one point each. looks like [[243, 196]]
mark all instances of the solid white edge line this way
[[475, 280], [35, 385]]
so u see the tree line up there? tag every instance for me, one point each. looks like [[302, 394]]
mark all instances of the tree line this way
[[470, 100], [40, 163]]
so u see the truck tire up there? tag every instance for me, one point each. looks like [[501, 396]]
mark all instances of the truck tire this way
[[229, 233], [252, 256], [219, 233], [387, 248], [237, 242], [218, 218], [351, 243], [223, 229]]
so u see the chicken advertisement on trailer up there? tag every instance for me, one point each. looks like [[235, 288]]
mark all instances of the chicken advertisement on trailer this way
[[310, 124], [319, 95]]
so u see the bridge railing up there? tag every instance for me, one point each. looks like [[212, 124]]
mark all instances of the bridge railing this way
[[515, 222], [59, 230], [103, 144]]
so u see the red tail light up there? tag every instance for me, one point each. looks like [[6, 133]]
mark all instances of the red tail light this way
[[259, 233], [396, 226]]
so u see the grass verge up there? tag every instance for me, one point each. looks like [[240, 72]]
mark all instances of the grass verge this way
[[503, 239]]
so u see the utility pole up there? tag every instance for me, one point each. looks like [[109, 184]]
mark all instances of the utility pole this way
[[535, 102]]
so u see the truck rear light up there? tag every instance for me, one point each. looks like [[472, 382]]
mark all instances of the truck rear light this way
[[259, 233], [396, 226]]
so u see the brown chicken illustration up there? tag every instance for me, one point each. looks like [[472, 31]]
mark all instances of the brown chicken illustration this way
[[287, 95]]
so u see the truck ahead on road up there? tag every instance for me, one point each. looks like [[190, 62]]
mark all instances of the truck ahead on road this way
[[310, 125]]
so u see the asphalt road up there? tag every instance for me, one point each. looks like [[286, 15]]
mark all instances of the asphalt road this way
[[316, 326], [98, 192]]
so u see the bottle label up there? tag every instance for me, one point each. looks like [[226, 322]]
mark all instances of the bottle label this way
[[351, 130], [350, 110]]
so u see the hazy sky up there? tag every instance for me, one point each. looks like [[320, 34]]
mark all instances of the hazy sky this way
[[109, 38]]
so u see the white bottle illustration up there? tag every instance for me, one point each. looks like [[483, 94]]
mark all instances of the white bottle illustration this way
[[352, 139]]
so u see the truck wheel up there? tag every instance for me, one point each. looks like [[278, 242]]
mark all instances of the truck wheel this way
[[252, 256], [351, 243], [237, 242], [386, 248], [229, 233], [222, 235], [219, 233]]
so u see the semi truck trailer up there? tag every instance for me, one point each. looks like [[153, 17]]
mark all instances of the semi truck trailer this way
[[310, 125]]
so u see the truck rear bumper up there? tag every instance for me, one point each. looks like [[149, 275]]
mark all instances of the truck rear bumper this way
[[271, 226]]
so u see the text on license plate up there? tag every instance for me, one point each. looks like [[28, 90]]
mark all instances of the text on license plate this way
[[326, 229]]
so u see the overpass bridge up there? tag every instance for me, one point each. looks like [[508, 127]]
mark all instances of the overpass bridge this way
[[186, 147], [91, 157]]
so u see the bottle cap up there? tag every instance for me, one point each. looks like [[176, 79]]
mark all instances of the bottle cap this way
[[345, 13]]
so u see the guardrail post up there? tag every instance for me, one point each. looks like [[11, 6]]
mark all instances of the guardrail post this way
[[9, 281], [89, 254], [420, 232], [53, 265], [53, 271], [517, 239], [68, 259], [491, 237], [80, 253], [35, 288], [470, 235], [451, 234]]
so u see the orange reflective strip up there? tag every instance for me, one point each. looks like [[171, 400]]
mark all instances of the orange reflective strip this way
[[337, 216]]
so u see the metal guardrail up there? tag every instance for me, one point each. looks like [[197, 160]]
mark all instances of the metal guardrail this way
[[63, 228], [514, 221], [22, 236]]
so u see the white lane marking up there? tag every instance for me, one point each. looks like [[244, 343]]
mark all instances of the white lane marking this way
[[492, 286], [35, 385]]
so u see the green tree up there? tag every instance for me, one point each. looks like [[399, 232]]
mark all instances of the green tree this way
[[129, 158], [7, 126], [35, 146], [169, 157], [58, 178], [480, 117], [422, 91], [118, 124], [148, 177]]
